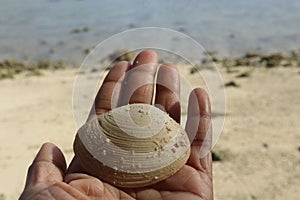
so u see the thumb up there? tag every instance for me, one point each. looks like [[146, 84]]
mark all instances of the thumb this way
[[47, 168]]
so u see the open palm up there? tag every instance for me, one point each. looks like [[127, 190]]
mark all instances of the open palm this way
[[49, 178]]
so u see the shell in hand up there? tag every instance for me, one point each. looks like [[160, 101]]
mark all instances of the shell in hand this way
[[132, 146]]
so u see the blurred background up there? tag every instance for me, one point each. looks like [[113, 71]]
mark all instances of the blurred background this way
[[66, 29], [254, 45]]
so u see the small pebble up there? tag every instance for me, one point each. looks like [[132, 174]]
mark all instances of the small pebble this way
[[86, 29], [87, 51], [231, 84], [265, 145]]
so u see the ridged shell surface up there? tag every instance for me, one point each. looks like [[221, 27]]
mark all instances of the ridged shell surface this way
[[132, 146]]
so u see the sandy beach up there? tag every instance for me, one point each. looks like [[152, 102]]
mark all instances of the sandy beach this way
[[259, 146], [255, 45]]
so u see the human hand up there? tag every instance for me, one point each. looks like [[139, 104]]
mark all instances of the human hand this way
[[48, 177]]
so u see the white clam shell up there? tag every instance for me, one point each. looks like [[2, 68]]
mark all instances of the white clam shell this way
[[132, 146]]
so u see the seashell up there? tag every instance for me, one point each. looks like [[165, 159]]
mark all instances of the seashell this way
[[132, 146]]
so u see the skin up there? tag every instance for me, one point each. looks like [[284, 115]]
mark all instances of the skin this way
[[49, 178]]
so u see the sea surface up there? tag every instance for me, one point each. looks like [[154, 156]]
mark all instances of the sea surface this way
[[66, 29]]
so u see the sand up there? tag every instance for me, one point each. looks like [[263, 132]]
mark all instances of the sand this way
[[259, 144]]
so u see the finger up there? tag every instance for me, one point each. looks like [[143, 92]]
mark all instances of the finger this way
[[48, 167], [168, 90], [108, 93], [138, 85], [199, 130], [106, 99]]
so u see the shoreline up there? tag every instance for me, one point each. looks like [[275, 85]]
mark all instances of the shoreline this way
[[9, 68]]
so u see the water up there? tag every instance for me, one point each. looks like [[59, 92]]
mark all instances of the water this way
[[41, 29]]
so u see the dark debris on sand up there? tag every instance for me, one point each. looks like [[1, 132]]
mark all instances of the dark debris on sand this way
[[231, 84], [249, 59], [10, 68], [220, 155]]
